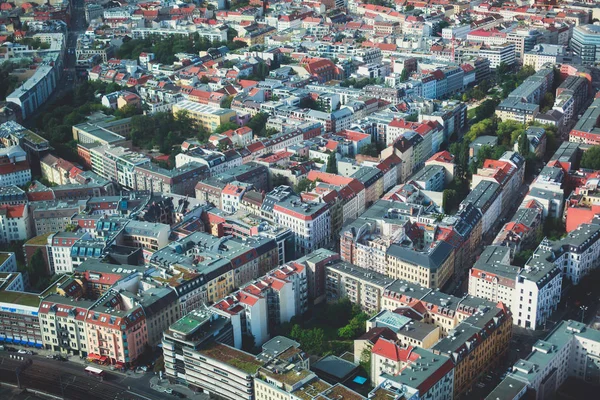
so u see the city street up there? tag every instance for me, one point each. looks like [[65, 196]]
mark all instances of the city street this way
[[68, 379], [69, 76]]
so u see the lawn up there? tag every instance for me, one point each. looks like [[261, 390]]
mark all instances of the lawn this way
[[471, 113]]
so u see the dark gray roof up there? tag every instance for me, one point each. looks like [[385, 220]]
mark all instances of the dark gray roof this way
[[432, 260], [334, 366]]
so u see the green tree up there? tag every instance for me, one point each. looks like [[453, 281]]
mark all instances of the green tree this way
[[227, 126], [227, 102], [332, 164], [547, 102], [486, 127], [128, 111], [38, 272], [279, 180], [258, 124], [508, 132], [365, 361], [303, 185], [449, 200], [522, 257], [486, 109], [502, 69], [523, 145], [591, 158], [554, 228], [404, 75], [460, 150], [370, 150]]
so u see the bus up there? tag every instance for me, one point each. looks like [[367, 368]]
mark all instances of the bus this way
[[96, 372]]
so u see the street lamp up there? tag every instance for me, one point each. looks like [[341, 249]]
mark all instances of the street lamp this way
[[583, 310]]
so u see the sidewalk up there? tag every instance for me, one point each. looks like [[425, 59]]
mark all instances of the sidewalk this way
[[76, 359], [160, 385]]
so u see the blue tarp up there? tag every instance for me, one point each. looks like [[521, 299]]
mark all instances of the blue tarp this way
[[360, 380]]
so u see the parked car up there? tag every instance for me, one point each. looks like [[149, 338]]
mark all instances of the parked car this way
[[21, 351], [178, 394]]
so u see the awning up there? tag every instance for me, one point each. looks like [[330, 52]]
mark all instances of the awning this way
[[120, 364], [103, 358], [30, 343], [93, 356], [39, 346], [9, 340]]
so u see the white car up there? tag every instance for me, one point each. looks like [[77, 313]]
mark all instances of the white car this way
[[22, 351]]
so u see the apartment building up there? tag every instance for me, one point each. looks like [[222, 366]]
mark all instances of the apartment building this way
[[209, 117], [487, 198], [587, 128], [522, 230], [56, 169], [203, 268], [36, 90], [117, 164], [401, 367], [430, 177], [223, 370], [508, 172], [577, 254], [59, 250], [181, 180], [498, 54], [8, 262], [531, 293], [522, 104], [402, 325], [62, 323], [478, 345], [310, 221], [571, 349], [14, 223], [585, 43], [543, 54], [14, 166], [115, 330], [351, 190], [54, 216], [19, 321], [361, 286], [582, 204], [436, 308], [103, 130], [189, 333]]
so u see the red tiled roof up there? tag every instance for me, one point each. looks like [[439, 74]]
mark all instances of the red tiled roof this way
[[19, 166], [13, 211], [391, 351]]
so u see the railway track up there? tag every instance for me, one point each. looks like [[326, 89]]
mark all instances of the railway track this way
[[61, 383]]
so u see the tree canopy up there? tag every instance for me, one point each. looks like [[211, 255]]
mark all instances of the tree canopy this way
[[258, 124], [332, 164], [591, 158], [369, 150], [163, 130]]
